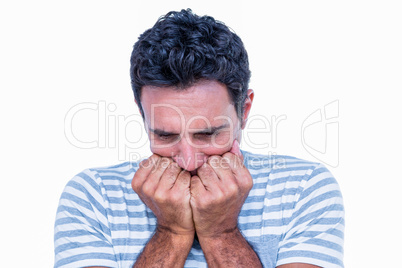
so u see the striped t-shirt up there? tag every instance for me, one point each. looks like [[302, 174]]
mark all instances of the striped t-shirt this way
[[294, 213]]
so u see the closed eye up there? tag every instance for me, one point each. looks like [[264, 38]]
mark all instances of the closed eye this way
[[205, 135], [167, 136], [163, 135]]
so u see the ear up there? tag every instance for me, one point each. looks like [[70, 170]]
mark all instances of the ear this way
[[247, 107]]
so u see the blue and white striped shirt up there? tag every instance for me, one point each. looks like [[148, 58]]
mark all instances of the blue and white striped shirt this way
[[294, 213]]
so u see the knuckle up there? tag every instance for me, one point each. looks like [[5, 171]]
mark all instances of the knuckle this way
[[214, 161], [218, 197], [176, 198], [147, 188], [206, 171], [154, 158], [174, 167], [194, 182], [184, 177], [151, 161], [145, 164], [233, 160], [135, 185], [232, 189], [247, 185], [159, 197], [225, 163], [171, 173], [214, 158], [229, 156], [203, 203], [165, 162]]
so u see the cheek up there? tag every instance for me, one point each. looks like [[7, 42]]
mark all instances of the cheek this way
[[219, 146], [216, 151], [223, 142], [167, 151]]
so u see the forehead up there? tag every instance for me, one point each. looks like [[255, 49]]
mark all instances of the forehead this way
[[207, 99]]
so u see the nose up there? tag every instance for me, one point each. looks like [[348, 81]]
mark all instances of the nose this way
[[188, 156]]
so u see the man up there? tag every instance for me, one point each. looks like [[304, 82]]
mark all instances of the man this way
[[198, 200]]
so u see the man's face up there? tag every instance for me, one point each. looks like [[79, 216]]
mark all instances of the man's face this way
[[192, 124]]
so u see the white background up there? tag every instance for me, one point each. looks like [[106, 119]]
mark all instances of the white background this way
[[303, 55]]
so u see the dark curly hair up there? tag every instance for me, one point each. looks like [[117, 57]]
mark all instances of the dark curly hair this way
[[183, 48]]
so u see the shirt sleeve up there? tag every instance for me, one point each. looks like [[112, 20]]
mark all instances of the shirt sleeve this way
[[82, 236], [314, 233]]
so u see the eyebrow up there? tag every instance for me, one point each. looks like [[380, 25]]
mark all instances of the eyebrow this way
[[162, 132]]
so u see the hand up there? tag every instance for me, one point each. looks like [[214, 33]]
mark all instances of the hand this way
[[165, 188], [218, 192]]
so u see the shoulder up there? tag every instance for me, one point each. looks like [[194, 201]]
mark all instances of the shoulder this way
[[99, 182], [291, 177], [122, 172], [89, 205], [279, 166]]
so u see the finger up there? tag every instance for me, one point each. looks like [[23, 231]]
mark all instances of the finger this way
[[151, 183], [236, 149], [197, 188], [169, 176], [150, 162], [233, 161], [221, 168], [183, 181], [240, 172], [145, 168], [207, 176], [159, 169]]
